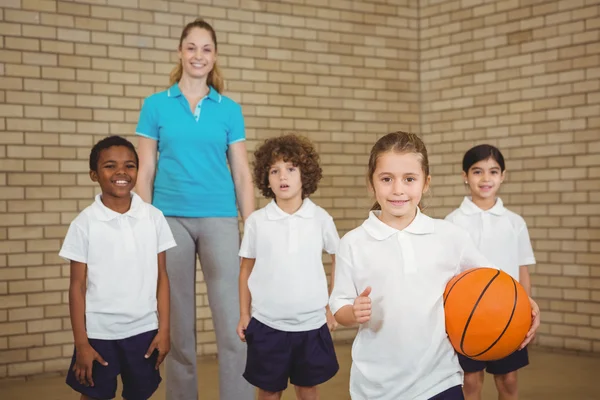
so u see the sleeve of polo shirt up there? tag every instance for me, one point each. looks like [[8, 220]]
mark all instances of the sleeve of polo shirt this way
[[248, 246], [525, 255], [331, 238], [75, 246], [470, 256], [450, 217], [148, 121], [344, 291], [164, 235], [237, 127]]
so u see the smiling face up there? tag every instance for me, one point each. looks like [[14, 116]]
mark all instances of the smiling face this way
[[197, 53], [285, 181], [116, 172], [484, 179], [399, 183]]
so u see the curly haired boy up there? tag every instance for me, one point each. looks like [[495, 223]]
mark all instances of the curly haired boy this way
[[284, 317]]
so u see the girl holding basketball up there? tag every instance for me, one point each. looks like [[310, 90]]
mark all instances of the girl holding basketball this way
[[390, 278], [502, 236]]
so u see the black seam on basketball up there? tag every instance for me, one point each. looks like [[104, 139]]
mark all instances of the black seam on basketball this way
[[462, 339], [507, 323], [458, 280]]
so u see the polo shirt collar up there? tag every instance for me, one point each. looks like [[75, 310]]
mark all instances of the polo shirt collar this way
[[103, 213], [306, 210], [421, 225], [468, 207], [213, 95]]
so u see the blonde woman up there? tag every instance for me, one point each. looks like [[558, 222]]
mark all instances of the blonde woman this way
[[198, 133]]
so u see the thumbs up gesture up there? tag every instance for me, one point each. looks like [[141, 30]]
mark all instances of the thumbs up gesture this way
[[362, 306]]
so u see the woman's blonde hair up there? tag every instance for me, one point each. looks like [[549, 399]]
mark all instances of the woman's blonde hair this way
[[398, 142], [215, 78]]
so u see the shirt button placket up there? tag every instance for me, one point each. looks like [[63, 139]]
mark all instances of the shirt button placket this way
[[293, 234], [409, 263], [128, 233]]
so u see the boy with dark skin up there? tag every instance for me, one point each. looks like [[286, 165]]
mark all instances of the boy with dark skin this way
[[119, 289]]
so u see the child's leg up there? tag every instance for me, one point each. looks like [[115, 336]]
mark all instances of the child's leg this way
[[104, 377], [314, 361], [268, 360], [306, 393], [473, 385], [265, 395], [507, 386], [139, 374], [473, 382], [505, 373]]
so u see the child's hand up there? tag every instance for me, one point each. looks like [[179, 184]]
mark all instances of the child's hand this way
[[162, 343], [535, 323], [84, 361], [332, 324], [362, 306], [242, 325]]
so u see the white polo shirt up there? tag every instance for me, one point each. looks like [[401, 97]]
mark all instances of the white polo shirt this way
[[500, 234], [120, 251], [403, 352], [288, 283]]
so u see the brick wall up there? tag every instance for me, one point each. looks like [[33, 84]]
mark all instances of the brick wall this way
[[525, 75], [339, 71]]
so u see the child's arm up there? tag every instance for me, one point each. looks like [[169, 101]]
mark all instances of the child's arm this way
[[526, 258], [85, 353], [357, 313], [332, 324], [246, 266], [162, 340], [348, 307], [525, 279], [331, 242]]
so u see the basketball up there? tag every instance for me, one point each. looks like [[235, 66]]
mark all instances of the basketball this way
[[488, 314]]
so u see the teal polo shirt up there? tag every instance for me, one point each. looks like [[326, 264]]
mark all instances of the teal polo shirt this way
[[192, 176]]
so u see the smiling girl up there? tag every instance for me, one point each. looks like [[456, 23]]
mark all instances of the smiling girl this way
[[390, 278], [502, 236]]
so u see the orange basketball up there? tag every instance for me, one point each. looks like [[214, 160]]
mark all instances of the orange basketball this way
[[488, 313]]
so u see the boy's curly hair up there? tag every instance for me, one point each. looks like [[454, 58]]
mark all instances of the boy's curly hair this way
[[290, 148]]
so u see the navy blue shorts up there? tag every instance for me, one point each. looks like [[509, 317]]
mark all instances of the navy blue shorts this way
[[124, 357], [305, 358], [515, 361], [454, 393]]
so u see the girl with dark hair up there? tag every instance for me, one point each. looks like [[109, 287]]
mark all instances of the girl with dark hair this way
[[502, 236]]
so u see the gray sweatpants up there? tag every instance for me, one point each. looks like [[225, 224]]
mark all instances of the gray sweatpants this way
[[216, 241]]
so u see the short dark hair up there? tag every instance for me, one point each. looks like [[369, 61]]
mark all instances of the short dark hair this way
[[480, 153], [106, 143], [290, 148]]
